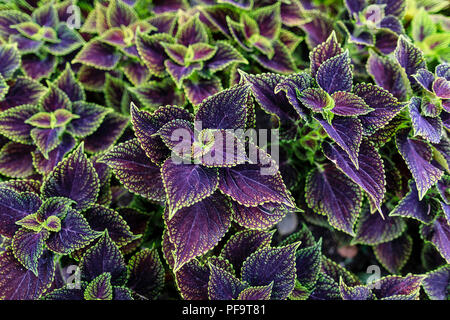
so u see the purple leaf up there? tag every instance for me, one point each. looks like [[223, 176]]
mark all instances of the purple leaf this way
[[15, 96], [224, 110], [324, 51], [385, 106], [242, 244], [394, 254], [347, 133], [101, 218], [217, 16], [74, 178], [263, 87], [335, 271], [223, 285], [409, 57], [307, 264], [99, 288], [164, 23], [386, 41], [268, 19], [98, 55], [136, 72], [393, 7], [250, 184], [187, 184], [179, 73], [22, 185], [146, 273], [387, 75], [427, 127], [411, 207], [70, 40], [9, 18], [355, 293], [260, 217], [436, 283], [119, 14], [397, 288], [91, 78], [373, 229], [199, 90], [290, 85], [316, 99], [107, 134], [281, 61], [55, 99], [43, 165], [192, 31], [256, 293], [28, 247], [325, 289], [16, 160], [438, 233], [369, 176], [159, 93], [192, 281], [441, 88], [152, 52], [90, 115], [443, 70], [46, 16], [425, 78], [318, 28], [135, 170], [67, 82], [241, 4], [9, 60], [195, 230], [335, 74], [46, 139], [225, 55], [269, 265], [355, 6], [417, 155], [349, 104], [75, 233], [13, 126], [13, 207], [330, 192], [21, 284], [146, 125], [104, 256]]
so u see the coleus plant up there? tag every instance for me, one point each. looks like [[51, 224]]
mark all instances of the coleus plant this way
[[61, 217], [216, 184], [48, 123], [142, 278], [363, 164], [43, 39]]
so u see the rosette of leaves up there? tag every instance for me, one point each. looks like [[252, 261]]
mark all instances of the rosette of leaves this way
[[53, 124], [59, 217], [189, 56], [258, 32], [349, 115], [213, 184], [113, 25], [104, 275], [376, 24], [44, 38]]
